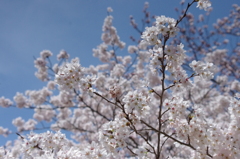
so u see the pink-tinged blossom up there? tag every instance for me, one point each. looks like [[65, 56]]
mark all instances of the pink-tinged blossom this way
[[69, 75], [177, 108], [136, 103], [18, 122], [102, 53], [45, 54], [170, 50], [235, 85], [109, 35], [2, 152], [41, 65], [30, 124], [204, 4], [55, 68], [166, 26], [217, 56], [44, 112], [64, 99], [38, 97], [51, 85], [21, 100], [127, 60], [63, 55], [223, 153], [4, 132], [222, 80], [114, 134], [150, 36], [5, 102], [132, 49], [109, 9], [47, 144], [118, 70], [22, 125], [205, 70], [200, 18], [115, 91], [150, 106]]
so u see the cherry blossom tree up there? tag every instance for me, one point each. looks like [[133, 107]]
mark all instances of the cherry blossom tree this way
[[174, 96]]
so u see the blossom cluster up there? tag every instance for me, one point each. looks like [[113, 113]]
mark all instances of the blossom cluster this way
[[109, 37], [177, 109], [137, 104], [52, 146], [156, 102], [5, 102], [69, 76], [114, 135], [164, 26], [204, 4], [204, 70]]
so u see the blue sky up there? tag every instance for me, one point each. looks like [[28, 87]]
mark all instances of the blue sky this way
[[30, 26]]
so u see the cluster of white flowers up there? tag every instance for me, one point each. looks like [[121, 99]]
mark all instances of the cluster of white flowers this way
[[234, 110], [109, 37], [47, 143], [69, 75], [142, 152], [44, 112], [195, 133], [136, 104], [207, 138], [177, 108], [217, 56], [41, 65], [115, 91], [222, 144], [63, 55], [118, 70], [4, 132], [22, 125], [235, 85], [4, 102], [38, 97], [53, 146], [114, 134], [204, 4], [37, 144], [21, 100], [95, 151], [64, 99], [164, 26], [132, 49], [109, 9], [102, 53], [45, 54], [205, 70], [111, 112], [175, 57], [150, 35]]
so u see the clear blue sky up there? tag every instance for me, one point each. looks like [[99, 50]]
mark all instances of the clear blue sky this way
[[29, 26]]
